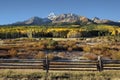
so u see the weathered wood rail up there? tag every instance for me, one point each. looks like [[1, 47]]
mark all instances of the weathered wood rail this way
[[59, 65], [21, 64]]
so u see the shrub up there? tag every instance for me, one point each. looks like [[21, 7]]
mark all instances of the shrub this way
[[51, 56], [87, 48], [75, 47], [13, 52], [96, 51], [70, 43], [90, 56], [65, 46], [61, 42], [52, 43], [40, 55], [69, 49], [61, 54], [116, 55], [50, 47], [42, 47], [107, 52]]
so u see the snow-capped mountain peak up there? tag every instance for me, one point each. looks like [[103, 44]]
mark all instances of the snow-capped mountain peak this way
[[51, 16]]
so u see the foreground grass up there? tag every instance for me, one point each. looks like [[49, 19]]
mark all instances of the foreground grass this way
[[58, 75]]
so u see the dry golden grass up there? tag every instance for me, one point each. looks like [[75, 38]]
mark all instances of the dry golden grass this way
[[29, 74]]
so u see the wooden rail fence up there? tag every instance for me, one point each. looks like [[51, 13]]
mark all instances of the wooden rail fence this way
[[65, 65]]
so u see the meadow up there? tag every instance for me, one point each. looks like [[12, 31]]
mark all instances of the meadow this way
[[58, 75]]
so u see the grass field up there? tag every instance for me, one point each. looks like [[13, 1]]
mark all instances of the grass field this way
[[58, 75]]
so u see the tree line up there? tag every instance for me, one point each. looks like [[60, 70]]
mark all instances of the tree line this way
[[56, 32]]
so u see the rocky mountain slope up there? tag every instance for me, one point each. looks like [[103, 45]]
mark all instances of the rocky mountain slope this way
[[33, 21], [65, 18]]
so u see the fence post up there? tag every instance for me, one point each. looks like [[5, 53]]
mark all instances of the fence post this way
[[99, 64], [46, 66]]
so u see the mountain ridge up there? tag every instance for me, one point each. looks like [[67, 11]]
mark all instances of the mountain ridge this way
[[65, 18]]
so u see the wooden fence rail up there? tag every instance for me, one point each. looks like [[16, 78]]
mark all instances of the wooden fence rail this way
[[69, 65]]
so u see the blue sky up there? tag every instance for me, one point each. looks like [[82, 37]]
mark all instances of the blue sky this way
[[19, 10]]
